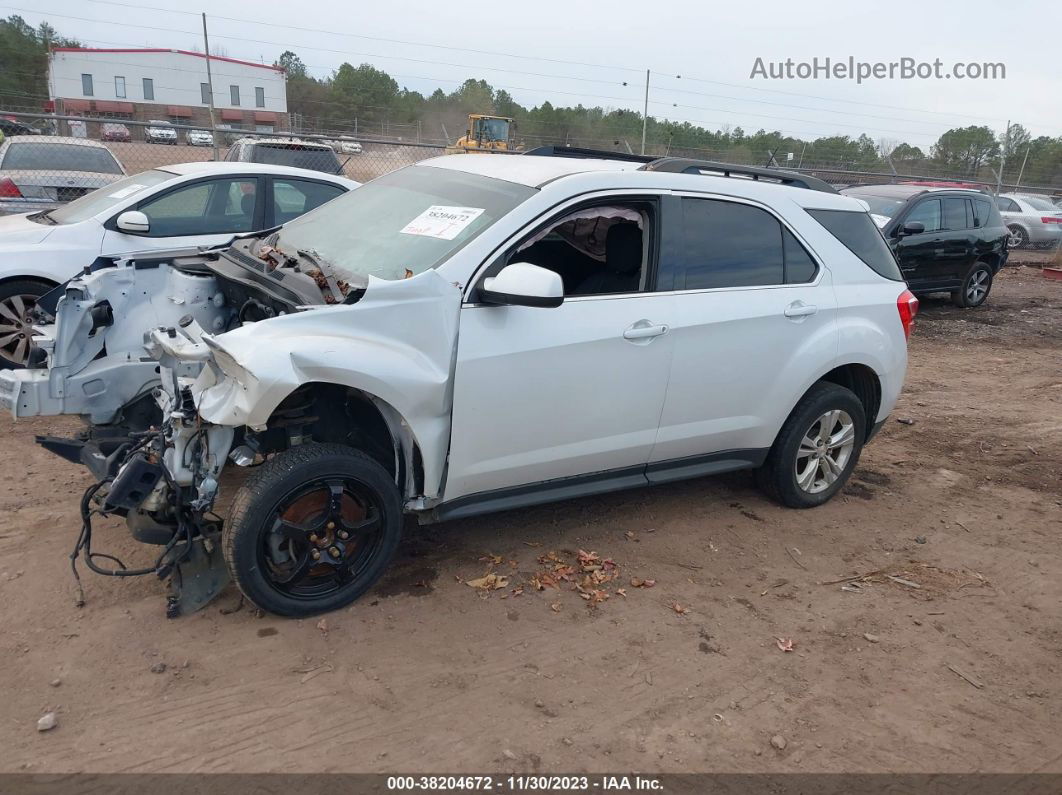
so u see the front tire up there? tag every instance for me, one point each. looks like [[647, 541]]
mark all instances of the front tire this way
[[817, 448], [975, 287], [18, 298], [312, 529]]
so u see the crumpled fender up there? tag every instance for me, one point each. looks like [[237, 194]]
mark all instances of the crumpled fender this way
[[397, 344]]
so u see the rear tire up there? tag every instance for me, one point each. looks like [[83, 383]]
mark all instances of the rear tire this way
[[312, 529], [1019, 238], [17, 298], [817, 448], [975, 287]]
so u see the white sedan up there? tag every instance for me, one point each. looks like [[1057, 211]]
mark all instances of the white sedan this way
[[189, 204]]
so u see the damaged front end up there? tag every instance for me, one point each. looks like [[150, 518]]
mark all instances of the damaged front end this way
[[123, 350]]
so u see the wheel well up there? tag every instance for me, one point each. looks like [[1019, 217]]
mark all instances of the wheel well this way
[[46, 282], [336, 414], [991, 260], [864, 383]]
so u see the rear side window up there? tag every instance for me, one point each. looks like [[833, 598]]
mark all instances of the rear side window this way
[[860, 236], [726, 244], [954, 214]]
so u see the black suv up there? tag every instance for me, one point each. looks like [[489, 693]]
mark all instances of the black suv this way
[[946, 241]]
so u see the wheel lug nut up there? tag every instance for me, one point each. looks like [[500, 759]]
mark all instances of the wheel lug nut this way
[[344, 534], [331, 525], [313, 537], [315, 555], [333, 552]]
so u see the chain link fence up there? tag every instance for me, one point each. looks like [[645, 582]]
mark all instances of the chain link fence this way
[[46, 160]]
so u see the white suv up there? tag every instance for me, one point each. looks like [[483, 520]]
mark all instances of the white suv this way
[[480, 333]]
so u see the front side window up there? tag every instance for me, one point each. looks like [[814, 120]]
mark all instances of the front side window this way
[[86, 85], [216, 206], [927, 213], [402, 223], [234, 94], [119, 87], [596, 250], [259, 97], [149, 89], [726, 244]]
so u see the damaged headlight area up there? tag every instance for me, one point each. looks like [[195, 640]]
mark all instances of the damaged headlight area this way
[[164, 484]]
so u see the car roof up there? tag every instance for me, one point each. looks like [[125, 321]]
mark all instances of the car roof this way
[[592, 173], [283, 142], [531, 170], [53, 139], [209, 167]]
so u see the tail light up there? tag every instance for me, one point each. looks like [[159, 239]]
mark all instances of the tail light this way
[[907, 306], [1052, 219], [9, 190]]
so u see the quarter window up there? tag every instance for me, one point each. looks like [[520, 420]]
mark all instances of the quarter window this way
[[982, 212]]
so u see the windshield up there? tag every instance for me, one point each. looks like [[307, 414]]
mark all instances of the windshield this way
[[879, 205], [296, 155], [492, 129], [43, 156], [402, 223], [1039, 204], [100, 200]]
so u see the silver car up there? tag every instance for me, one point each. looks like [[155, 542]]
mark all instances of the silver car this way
[[39, 172], [1033, 221]]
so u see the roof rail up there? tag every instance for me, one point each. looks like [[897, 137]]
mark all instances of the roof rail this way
[[575, 151], [683, 165]]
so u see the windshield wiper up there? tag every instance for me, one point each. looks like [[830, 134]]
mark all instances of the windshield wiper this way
[[45, 217]]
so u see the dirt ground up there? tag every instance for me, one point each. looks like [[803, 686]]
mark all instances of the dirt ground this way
[[952, 664]]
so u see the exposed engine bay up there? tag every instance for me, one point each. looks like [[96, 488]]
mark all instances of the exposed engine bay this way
[[126, 339]]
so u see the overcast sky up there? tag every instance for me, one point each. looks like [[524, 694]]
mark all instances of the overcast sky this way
[[583, 52]]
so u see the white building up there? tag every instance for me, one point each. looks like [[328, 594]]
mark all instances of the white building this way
[[147, 84]]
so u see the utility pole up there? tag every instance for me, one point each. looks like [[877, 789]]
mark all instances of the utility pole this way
[[1023, 162], [645, 112], [210, 88], [1003, 159]]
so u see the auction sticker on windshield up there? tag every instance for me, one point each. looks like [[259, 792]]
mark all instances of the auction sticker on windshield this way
[[442, 222]]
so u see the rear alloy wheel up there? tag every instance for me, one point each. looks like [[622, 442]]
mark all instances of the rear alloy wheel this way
[[312, 529], [1018, 238], [975, 287], [817, 448], [18, 299]]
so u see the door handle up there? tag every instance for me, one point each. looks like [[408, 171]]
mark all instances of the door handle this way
[[643, 330], [800, 309]]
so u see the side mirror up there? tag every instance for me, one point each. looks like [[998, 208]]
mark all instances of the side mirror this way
[[134, 222], [913, 228], [523, 284]]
